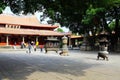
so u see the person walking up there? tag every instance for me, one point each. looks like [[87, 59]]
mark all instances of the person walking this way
[[29, 47], [36, 45], [41, 48]]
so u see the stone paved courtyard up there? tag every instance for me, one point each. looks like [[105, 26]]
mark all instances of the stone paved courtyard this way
[[79, 65]]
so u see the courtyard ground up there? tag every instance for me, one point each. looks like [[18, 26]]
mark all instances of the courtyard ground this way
[[79, 65]]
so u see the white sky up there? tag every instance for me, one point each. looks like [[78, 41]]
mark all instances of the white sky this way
[[45, 21]]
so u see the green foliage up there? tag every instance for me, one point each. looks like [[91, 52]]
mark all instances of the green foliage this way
[[60, 30], [91, 14], [112, 25], [1, 10], [2, 6], [51, 12]]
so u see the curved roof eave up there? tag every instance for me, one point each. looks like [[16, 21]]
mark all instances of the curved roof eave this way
[[23, 21]]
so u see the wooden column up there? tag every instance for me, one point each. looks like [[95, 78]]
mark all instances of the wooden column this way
[[36, 38], [7, 40], [69, 41], [23, 39]]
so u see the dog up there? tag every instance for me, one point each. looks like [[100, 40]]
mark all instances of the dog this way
[[102, 55], [61, 53]]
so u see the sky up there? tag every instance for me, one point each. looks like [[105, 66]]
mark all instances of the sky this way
[[37, 14], [45, 21]]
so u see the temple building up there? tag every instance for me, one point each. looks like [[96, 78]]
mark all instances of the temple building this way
[[16, 29]]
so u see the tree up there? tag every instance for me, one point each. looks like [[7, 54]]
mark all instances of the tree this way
[[112, 25], [2, 6]]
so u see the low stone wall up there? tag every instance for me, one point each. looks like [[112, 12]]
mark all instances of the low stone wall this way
[[5, 46], [9, 47]]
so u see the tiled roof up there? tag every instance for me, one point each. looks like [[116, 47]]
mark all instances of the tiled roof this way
[[23, 20], [29, 32]]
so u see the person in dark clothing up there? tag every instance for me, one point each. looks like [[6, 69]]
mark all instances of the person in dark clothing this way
[[29, 48]]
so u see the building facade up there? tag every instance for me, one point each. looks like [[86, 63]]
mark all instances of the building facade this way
[[16, 29]]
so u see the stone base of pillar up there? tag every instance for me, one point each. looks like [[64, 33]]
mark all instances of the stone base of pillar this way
[[85, 45], [64, 50], [64, 47], [85, 48], [64, 53], [118, 48]]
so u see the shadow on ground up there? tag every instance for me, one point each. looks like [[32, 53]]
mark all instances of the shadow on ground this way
[[19, 67]]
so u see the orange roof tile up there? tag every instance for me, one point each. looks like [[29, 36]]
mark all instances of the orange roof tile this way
[[23, 20], [29, 32], [49, 33]]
